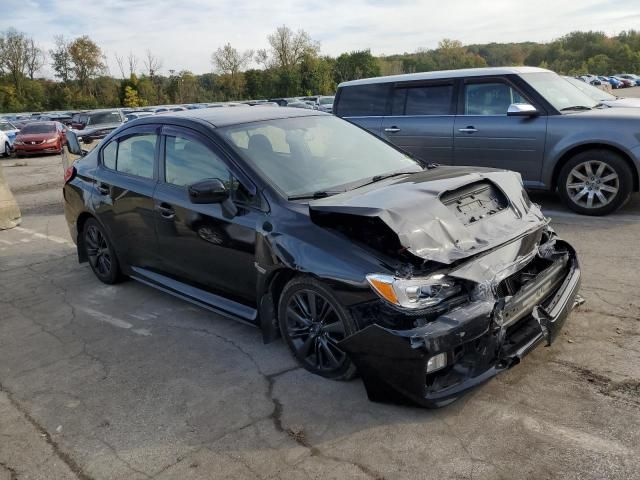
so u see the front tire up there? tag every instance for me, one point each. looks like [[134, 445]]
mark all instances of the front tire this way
[[7, 150], [595, 182], [312, 321], [100, 252]]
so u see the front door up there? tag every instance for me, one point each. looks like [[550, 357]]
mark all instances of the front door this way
[[203, 244], [485, 136], [421, 121], [125, 181]]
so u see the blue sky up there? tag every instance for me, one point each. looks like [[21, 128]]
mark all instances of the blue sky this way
[[185, 32]]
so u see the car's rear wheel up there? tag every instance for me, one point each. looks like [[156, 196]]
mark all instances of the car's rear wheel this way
[[595, 182], [100, 252], [312, 322]]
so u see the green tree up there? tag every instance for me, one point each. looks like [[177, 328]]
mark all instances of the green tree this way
[[87, 58], [355, 65], [131, 98], [61, 59]]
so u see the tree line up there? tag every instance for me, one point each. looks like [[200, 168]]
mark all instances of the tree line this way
[[291, 65]]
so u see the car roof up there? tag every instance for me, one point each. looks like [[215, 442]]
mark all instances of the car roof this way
[[222, 117], [465, 72]]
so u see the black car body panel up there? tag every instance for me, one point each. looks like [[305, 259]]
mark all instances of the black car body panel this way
[[476, 225]]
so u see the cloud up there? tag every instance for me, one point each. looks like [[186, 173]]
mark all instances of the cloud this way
[[185, 33]]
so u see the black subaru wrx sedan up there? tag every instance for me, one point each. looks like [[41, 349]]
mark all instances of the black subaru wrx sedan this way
[[424, 280]]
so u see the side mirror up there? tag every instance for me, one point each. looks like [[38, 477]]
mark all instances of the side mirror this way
[[72, 143], [208, 191], [521, 110]]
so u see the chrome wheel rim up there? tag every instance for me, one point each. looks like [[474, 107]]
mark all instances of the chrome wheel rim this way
[[593, 184], [314, 328], [98, 251]]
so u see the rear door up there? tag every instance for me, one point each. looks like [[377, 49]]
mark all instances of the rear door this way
[[364, 105], [422, 120], [485, 136], [125, 181], [202, 244]]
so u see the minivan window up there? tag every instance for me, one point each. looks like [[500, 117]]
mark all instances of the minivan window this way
[[363, 100], [188, 161], [423, 100], [557, 91], [490, 98]]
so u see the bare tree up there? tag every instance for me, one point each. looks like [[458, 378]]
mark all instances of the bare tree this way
[[13, 56], [229, 60], [35, 57], [262, 57], [152, 64], [289, 47], [133, 63], [120, 62]]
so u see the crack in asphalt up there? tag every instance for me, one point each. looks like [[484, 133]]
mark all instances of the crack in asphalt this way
[[13, 475], [64, 457]]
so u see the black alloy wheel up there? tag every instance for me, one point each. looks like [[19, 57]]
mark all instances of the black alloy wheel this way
[[100, 253], [313, 322]]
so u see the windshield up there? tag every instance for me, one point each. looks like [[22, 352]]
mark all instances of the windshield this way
[[104, 117], [593, 92], [325, 100], [39, 128], [315, 154], [6, 126], [557, 91]]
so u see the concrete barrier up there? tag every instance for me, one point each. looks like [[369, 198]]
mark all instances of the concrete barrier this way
[[9, 212]]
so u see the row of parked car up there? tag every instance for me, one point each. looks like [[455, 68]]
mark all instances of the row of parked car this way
[[44, 132], [620, 80]]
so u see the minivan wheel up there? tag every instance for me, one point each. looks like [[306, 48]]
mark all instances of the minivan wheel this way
[[100, 253], [595, 182], [312, 322]]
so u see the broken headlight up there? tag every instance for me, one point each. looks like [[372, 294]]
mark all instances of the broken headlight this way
[[414, 293]]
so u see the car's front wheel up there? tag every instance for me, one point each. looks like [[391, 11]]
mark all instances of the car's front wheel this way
[[100, 252], [7, 150], [595, 182], [312, 322]]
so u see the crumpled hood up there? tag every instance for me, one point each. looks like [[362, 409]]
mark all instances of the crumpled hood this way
[[412, 208]]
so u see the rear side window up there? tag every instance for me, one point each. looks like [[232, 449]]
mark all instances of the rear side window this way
[[363, 100], [133, 155], [423, 100]]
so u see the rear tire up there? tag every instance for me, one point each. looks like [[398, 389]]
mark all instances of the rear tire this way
[[595, 182], [100, 252], [312, 321]]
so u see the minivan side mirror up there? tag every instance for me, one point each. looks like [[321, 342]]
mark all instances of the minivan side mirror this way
[[211, 190], [521, 110]]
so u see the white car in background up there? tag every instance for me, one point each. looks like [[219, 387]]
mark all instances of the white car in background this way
[[5, 145]]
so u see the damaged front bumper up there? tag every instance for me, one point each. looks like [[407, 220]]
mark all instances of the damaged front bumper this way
[[484, 336]]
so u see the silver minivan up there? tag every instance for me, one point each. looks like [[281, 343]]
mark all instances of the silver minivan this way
[[526, 119]]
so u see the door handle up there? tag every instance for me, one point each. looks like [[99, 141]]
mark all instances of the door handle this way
[[103, 188], [469, 129], [392, 129], [166, 211]]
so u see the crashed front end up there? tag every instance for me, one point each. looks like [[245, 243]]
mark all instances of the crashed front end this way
[[488, 328], [495, 281]]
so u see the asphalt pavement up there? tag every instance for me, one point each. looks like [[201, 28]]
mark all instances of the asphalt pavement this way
[[125, 382]]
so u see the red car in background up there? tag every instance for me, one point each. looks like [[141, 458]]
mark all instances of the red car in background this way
[[40, 137]]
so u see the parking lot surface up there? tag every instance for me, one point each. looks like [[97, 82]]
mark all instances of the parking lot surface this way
[[125, 382]]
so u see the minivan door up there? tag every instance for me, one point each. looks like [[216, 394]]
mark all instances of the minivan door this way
[[421, 120], [485, 136]]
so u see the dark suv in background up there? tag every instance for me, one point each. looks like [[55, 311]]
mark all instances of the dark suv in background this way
[[525, 119], [96, 124]]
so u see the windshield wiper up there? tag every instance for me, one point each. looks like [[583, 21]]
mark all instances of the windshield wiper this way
[[313, 196], [575, 107]]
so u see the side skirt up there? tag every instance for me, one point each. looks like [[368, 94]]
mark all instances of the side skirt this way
[[215, 303]]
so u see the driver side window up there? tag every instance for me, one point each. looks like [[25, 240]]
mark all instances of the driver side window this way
[[188, 161], [490, 98]]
